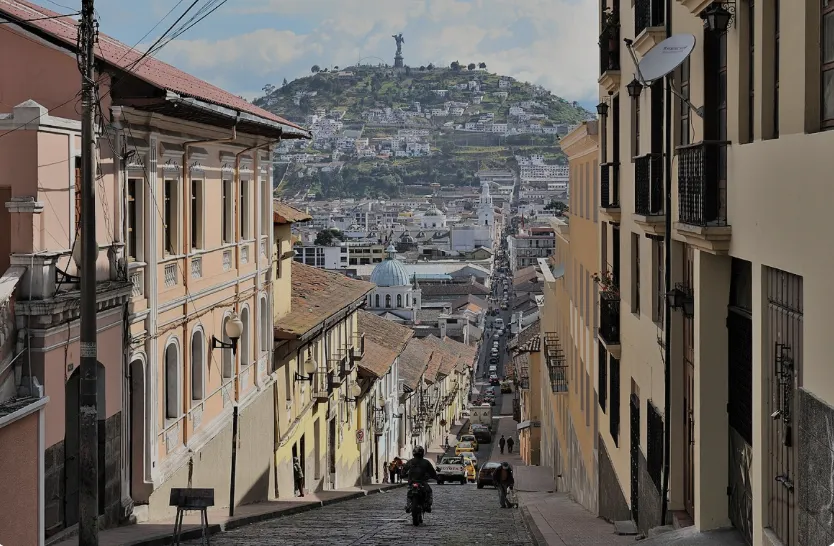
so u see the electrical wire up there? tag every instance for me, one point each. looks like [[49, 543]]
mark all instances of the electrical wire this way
[[17, 22]]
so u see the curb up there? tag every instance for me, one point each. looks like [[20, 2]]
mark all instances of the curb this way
[[243, 521], [535, 534]]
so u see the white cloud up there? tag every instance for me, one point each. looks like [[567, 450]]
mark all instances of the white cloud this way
[[558, 49]]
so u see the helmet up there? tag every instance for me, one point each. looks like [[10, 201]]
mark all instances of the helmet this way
[[418, 451], [505, 464]]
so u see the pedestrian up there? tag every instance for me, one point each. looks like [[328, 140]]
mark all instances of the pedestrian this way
[[506, 481], [400, 470], [298, 474], [510, 443], [501, 443], [385, 472], [393, 469]]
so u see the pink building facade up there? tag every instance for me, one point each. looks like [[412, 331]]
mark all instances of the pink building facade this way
[[184, 227]]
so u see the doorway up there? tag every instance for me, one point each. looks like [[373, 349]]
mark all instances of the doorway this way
[[72, 443], [635, 457], [689, 389], [331, 453], [317, 448], [137, 423], [5, 227]]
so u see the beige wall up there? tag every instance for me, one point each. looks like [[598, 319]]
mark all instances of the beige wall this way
[[21, 473]]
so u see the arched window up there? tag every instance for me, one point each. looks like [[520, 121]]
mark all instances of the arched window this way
[[198, 365], [407, 301], [245, 339], [399, 301], [265, 337], [377, 301], [228, 361], [172, 380], [388, 301]]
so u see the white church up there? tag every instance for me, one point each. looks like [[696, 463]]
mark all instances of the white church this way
[[468, 238]]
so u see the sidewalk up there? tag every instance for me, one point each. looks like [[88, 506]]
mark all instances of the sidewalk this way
[[159, 533], [553, 518]]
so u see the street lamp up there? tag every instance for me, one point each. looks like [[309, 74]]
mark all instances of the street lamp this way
[[355, 392], [602, 109], [634, 88], [717, 17], [234, 329], [310, 367]]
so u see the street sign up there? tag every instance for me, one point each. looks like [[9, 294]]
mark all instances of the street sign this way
[[360, 436]]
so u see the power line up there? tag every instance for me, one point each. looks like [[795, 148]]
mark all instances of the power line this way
[[133, 48], [180, 18], [38, 19]]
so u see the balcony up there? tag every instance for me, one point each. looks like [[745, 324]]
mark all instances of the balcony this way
[[555, 358], [609, 191], [321, 386], [609, 321], [609, 58], [649, 24], [347, 363], [358, 346], [702, 217], [648, 193], [337, 368]]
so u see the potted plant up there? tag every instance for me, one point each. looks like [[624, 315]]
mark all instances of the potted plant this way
[[443, 422], [610, 26], [606, 282]]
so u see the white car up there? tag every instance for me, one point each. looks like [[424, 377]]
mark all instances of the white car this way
[[451, 469]]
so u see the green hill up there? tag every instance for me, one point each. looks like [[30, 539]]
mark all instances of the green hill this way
[[352, 93]]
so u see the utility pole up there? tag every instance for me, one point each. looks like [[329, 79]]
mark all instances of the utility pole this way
[[88, 446]]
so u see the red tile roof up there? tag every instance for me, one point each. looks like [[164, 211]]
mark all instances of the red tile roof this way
[[282, 213], [122, 56], [377, 359], [413, 362], [316, 296], [384, 332]]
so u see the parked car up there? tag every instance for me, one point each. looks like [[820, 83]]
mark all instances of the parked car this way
[[471, 439], [486, 476]]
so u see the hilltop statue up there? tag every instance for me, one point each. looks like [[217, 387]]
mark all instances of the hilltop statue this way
[[398, 58]]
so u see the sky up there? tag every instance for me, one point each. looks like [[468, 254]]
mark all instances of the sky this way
[[247, 44]]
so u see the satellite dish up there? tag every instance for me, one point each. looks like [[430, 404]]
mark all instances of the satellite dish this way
[[665, 57]]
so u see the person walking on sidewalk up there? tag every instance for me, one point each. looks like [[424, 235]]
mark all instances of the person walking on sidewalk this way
[[298, 474], [501, 443], [385, 472], [506, 481], [510, 443]]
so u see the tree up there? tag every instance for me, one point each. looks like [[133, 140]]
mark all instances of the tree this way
[[557, 206], [328, 237], [455, 66], [471, 66], [315, 69], [422, 68], [482, 65], [336, 67], [268, 89], [430, 66]]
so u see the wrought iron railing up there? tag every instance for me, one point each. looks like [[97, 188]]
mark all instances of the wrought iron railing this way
[[609, 185], [699, 183], [609, 49], [556, 366], [648, 185], [322, 386], [647, 13], [609, 318]]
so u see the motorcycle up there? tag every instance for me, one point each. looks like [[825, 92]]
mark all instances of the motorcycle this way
[[417, 497]]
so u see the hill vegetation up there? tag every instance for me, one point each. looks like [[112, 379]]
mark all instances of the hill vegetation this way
[[376, 102]]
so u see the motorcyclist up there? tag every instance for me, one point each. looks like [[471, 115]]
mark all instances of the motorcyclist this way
[[420, 470]]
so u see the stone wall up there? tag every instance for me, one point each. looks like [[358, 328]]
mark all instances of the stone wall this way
[[815, 471], [54, 488], [612, 501], [649, 502]]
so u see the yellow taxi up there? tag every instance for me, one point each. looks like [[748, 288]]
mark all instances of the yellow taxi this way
[[471, 473], [471, 439], [464, 447]]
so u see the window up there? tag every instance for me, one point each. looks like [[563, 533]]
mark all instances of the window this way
[[266, 205], [407, 301], [587, 192], [595, 185], [265, 337], [635, 274], [751, 75], [227, 212], [776, 29], [684, 128], [659, 307], [172, 387], [635, 145], [387, 301], [244, 210], [399, 301], [198, 365], [169, 229], [602, 376], [196, 214], [228, 363], [245, 339], [376, 302], [134, 223]]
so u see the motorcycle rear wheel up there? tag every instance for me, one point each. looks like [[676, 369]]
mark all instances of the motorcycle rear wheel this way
[[417, 515]]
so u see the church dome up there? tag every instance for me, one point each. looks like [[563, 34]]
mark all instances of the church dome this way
[[433, 211], [390, 272]]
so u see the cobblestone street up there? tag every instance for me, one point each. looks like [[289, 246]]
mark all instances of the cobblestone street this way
[[462, 515]]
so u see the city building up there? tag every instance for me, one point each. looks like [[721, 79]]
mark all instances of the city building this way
[[169, 280], [530, 244], [343, 255], [318, 345], [746, 369]]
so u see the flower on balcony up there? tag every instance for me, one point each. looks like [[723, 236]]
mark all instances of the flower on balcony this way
[[606, 282], [610, 20]]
